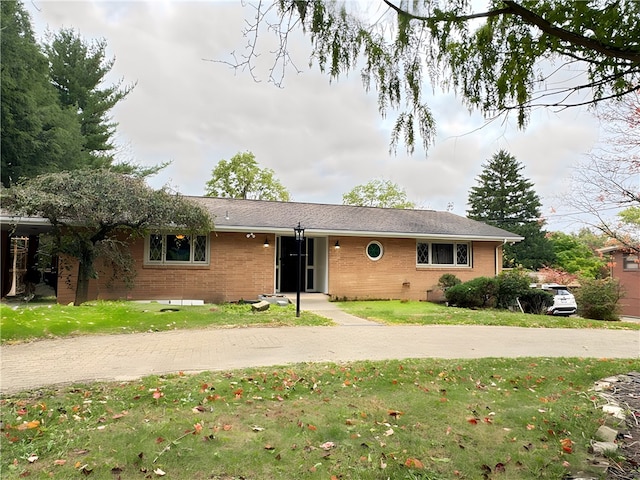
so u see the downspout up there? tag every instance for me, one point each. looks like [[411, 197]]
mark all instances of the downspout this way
[[497, 265]]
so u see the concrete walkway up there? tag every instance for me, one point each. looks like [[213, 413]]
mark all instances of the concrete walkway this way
[[126, 357]]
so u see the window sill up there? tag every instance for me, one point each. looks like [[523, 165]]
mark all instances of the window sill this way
[[443, 267], [175, 266]]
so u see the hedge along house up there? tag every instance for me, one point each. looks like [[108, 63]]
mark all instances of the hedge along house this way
[[348, 253]]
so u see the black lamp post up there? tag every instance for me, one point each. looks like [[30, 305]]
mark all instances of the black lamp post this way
[[299, 234]]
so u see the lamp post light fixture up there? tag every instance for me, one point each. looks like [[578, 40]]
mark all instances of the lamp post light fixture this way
[[299, 235]]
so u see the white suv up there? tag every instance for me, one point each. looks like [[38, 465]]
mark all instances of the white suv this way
[[564, 303]]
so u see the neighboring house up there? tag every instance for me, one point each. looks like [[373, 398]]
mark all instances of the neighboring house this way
[[348, 253], [625, 267]]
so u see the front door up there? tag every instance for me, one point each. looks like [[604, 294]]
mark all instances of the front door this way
[[289, 265]]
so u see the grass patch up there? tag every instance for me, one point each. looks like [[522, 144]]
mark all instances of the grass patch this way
[[32, 322], [397, 312], [412, 419]]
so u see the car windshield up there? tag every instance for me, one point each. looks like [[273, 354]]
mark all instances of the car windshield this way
[[562, 292]]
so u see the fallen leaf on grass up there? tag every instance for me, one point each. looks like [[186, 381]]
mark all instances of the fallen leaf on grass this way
[[327, 445], [32, 458], [414, 463], [566, 445], [59, 462], [28, 425], [159, 472]]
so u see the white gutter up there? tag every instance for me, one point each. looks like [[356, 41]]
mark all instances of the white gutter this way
[[13, 220], [351, 233]]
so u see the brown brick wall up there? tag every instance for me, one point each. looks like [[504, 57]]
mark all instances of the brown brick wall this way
[[353, 275], [630, 281], [240, 268]]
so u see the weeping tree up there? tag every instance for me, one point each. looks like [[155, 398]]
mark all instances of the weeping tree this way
[[509, 56], [97, 213]]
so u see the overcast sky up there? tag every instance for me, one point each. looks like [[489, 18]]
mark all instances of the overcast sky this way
[[321, 139]]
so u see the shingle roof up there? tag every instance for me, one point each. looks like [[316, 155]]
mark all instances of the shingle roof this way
[[322, 219]]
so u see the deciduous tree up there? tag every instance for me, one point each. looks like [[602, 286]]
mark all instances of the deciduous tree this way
[[242, 177], [505, 198], [512, 56], [378, 193], [606, 185], [94, 213], [576, 257]]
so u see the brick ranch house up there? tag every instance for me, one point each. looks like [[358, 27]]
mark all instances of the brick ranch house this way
[[348, 253], [625, 267]]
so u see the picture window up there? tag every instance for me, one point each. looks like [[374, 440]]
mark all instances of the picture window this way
[[176, 249], [443, 253]]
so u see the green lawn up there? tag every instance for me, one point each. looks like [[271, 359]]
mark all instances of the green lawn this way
[[29, 322], [413, 419], [19, 323], [397, 312]]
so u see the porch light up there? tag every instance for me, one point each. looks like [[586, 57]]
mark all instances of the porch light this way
[[266, 242], [299, 235], [337, 245], [180, 237]]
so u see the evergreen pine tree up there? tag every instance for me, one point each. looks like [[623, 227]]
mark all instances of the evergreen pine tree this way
[[505, 199], [78, 69], [38, 134]]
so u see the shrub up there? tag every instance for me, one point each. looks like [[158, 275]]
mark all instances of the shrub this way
[[511, 285], [536, 301], [598, 299], [447, 281], [477, 293]]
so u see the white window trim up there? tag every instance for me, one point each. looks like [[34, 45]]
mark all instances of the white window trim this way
[[164, 262], [366, 250], [630, 259], [455, 256]]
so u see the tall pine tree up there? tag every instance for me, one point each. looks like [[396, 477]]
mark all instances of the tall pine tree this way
[[505, 199], [38, 134], [78, 69]]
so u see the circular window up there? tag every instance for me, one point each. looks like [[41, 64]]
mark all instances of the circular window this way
[[374, 250]]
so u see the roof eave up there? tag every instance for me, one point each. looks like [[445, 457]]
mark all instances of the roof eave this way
[[352, 233]]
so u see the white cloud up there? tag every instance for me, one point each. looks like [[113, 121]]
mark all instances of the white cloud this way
[[321, 139]]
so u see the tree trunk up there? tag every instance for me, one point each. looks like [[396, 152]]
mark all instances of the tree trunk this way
[[85, 273]]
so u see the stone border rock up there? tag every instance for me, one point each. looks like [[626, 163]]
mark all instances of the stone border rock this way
[[606, 441]]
